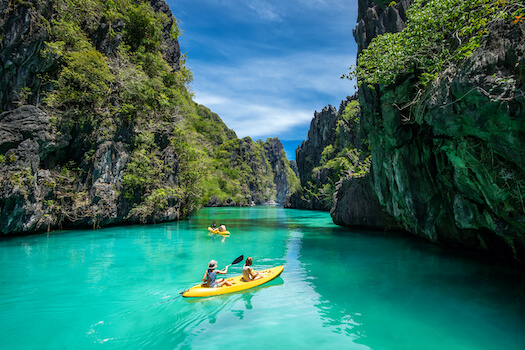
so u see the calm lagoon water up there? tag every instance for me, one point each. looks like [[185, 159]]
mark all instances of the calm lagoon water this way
[[118, 288]]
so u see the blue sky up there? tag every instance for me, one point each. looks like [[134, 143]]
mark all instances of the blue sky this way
[[265, 66]]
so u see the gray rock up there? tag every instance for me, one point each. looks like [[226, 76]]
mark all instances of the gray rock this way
[[452, 172], [277, 158], [214, 202], [356, 205]]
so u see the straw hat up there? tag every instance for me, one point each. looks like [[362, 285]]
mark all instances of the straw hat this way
[[212, 265]]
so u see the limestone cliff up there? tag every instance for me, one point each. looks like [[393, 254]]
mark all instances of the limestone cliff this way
[[285, 179], [260, 171], [97, 126], [308, 156], [334, 168], [448, 160]]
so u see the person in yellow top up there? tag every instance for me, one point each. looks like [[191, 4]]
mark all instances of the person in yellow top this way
[[249, 274]]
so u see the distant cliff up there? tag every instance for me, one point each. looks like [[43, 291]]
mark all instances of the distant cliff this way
[[324, 157], [97, 126], [285, 179], [445, 134], [258, 173], [334, 168], [308, 156]]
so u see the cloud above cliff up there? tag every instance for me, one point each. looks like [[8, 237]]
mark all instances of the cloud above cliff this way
[[265, 66], [272, 96], [264, 10], [253, 119]]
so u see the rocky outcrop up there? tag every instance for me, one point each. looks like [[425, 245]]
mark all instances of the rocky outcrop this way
[[320, 135], [54, 171], [356, 205], [333, 150], [308, 156], [22, 36], [25, 138], [280, 168], [448, 163], [43, 187], [378, 17], [324, 186]]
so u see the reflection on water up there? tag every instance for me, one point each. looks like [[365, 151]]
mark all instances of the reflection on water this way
[[339, 288], [401, 293]]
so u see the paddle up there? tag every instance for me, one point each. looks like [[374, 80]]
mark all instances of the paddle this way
[[238, 260]]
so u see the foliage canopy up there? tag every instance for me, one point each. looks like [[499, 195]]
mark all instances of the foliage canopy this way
[[438, 33]]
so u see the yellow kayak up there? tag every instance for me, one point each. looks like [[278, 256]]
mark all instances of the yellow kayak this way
[[216, 231], [238, 284]]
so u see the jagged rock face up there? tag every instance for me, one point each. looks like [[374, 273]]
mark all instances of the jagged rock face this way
[[308, 156], [276, 156], [356, 205], [39, 190], [375, 19], [34, 187], [25, 138], [320, 135], [21, 40], [171, 48], [452, 171]]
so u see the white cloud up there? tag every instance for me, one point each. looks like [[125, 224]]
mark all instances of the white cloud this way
[[267, 97], [264, 10], [265, 66], [289, 76], [255, 120]]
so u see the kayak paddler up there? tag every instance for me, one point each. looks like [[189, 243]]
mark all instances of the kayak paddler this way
[[249, 274], [210, 276]]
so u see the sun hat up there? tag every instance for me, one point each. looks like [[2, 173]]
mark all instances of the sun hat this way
[[212, 264]]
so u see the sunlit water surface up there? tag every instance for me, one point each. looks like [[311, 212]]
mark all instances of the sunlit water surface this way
[[118, 288]]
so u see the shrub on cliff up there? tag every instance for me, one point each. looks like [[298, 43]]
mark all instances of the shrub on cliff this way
[[438, 33], [83, 83]]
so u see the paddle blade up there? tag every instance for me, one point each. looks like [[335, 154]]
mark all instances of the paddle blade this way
[[238, 260]]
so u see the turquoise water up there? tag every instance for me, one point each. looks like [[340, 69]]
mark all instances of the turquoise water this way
[[118, 288]]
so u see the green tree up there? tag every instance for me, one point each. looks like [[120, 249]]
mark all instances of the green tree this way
[[438, 33], [84, 81]]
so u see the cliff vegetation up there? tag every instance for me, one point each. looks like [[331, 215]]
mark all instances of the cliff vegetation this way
[[334, 149], [441, 98], [98, 125], [441, 89]]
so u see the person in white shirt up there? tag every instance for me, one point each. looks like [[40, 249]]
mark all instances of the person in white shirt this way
[[249, 274]]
